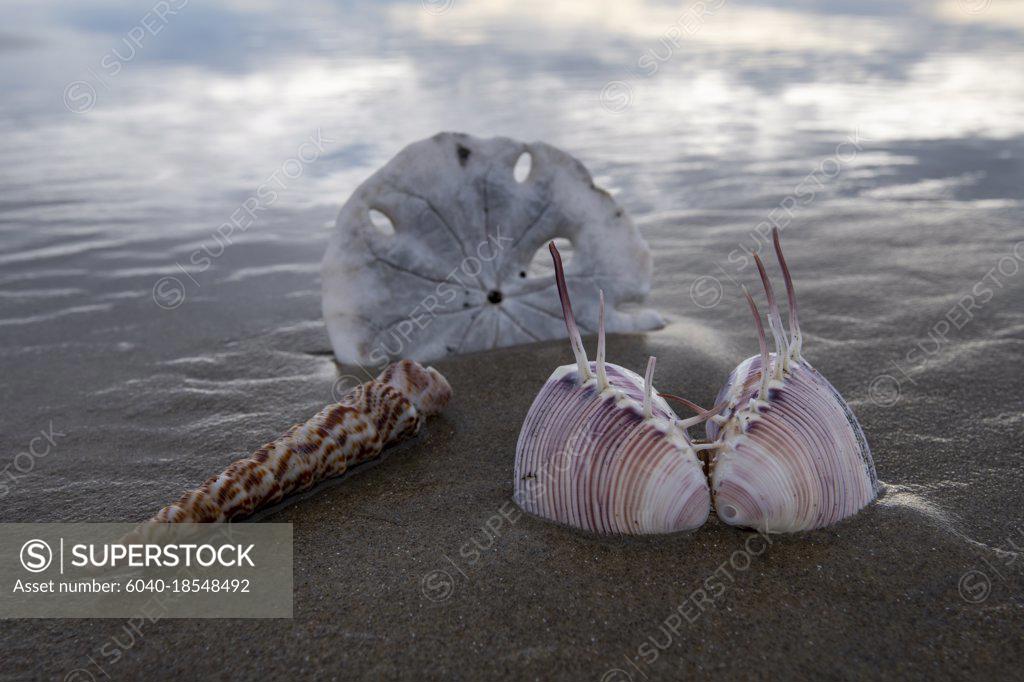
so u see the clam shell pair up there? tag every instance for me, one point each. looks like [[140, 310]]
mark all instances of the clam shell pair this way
[[602, 451]]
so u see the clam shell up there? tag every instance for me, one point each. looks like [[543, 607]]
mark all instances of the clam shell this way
[[455, 275], [790, 454], [796, 462], [590, 459]]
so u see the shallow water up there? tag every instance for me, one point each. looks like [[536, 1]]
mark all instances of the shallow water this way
[[887, 140]]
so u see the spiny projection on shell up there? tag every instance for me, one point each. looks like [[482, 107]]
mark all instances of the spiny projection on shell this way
[[454, 276], [789, 454], [354, 430], [601, 451]]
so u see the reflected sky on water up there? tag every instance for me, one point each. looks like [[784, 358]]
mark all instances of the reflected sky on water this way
[[114, 112], [132, 131]]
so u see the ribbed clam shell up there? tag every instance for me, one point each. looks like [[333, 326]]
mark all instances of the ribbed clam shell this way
[[589, 459], [796, 462]]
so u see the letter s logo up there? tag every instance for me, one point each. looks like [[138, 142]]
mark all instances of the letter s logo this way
[[36, 556]]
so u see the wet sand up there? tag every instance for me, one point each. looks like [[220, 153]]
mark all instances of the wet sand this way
[[422, 566], [908, 264]]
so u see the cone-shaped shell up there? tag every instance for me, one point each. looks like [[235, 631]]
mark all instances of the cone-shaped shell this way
[[590, 459], [797, 461]]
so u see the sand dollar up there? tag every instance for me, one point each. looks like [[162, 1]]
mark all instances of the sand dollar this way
[[434, 253]]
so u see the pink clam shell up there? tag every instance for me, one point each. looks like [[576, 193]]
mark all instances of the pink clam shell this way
[[590, 459], [798, 462]]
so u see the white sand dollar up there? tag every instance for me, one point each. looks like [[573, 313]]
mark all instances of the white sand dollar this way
[[431, 255]]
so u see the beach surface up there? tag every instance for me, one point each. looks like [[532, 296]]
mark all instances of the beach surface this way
[[895, 173]]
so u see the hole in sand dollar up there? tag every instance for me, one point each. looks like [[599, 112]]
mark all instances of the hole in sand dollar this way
[[540, 265], [524, 164], [382, 222]]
